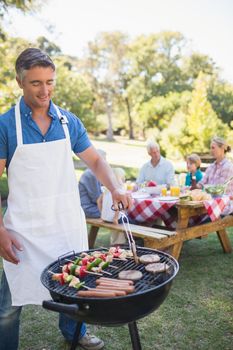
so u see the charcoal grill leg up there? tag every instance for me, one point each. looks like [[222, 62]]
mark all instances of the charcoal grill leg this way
[[134, 335], [76, 336]]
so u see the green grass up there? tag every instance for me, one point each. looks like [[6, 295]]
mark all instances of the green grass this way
[[3, 186], [197, 314]]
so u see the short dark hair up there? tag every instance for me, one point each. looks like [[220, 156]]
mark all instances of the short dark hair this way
[[32, 57]]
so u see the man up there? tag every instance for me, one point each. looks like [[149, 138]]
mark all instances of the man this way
[[44, 218], [158, 169], [90, 190]]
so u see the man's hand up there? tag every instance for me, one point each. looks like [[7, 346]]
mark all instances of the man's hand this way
[[120, 195], [7, 245]]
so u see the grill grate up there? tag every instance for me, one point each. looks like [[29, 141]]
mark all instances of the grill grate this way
[[146, 283]]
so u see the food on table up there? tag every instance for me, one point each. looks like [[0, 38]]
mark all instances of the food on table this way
[[215, 189], [199, 195], [149, 258], [157, 268], [133, 275], [195, 195], [151, 183]]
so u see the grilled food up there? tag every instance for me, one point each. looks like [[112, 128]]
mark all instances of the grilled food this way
[[132, 275], [149, 258], [157, 268]]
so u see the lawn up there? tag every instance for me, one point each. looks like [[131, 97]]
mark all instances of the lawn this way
[[198, 312]]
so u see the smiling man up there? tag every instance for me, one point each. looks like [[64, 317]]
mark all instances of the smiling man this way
[[44, 218]]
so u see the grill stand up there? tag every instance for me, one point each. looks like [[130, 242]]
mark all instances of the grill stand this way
[[133, 331], [134, 335]]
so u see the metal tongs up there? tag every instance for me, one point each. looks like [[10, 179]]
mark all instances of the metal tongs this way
[[126, 224]]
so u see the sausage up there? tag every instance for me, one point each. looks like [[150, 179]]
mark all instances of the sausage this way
[[118, 293], [127, 289], [114, 283], [94, 293], [114, 279]]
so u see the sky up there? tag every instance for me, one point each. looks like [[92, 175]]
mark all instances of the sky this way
[[207, 24]]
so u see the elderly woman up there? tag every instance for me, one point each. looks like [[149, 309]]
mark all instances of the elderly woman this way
[[221, 170]]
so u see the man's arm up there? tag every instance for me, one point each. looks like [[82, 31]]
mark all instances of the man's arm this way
[[105, 175], [7, 242]]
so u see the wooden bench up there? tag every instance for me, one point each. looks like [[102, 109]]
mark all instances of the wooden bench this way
[[161, 238]]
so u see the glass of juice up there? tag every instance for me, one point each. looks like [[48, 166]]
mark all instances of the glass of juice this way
[[163, 190], [175, 191]]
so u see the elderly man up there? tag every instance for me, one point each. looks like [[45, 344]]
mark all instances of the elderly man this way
[[158, 169]]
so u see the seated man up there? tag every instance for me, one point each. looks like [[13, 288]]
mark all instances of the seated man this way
[[158, 169], [90, 190]]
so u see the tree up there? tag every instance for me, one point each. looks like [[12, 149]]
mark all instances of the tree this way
[[22, 5], [191, 129], [48, 46], [220, 94], [73, 94], [102, 66]]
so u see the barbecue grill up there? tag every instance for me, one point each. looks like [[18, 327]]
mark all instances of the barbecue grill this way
[[150, 292]]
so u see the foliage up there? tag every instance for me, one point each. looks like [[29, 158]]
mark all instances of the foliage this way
[[141, 86], [191, 130], [73, 94], [220, 95]]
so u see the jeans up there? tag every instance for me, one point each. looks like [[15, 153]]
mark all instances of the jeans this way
[[10, 319]]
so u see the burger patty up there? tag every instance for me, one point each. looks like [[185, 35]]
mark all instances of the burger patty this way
[[149, 258]]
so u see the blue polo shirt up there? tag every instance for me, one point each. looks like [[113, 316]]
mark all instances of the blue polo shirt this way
[[32, 134]]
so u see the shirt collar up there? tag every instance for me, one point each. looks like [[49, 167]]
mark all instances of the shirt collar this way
[[221, 163], [158, 164], [27, 112]]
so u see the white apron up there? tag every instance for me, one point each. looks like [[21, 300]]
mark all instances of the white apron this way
[[44, 212]]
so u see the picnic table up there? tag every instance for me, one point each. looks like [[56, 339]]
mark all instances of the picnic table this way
[[183, 221], [189, 219]]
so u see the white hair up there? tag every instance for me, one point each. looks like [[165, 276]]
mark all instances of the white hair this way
[[152, 144]]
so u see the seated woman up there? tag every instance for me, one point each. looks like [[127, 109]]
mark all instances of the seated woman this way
[[193, 166], [221, 170]]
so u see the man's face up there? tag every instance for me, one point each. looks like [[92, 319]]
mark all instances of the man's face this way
[[154, 153], [38, 85]]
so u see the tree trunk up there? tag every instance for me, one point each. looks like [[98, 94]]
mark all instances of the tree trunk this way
[[109, 114], [131, 131]]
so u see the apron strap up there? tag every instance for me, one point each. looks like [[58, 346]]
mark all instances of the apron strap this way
[[19, 135], [64, 122]]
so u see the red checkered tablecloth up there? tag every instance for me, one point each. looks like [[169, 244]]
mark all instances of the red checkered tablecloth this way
[[149, 210]]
